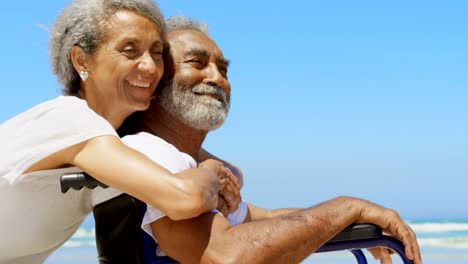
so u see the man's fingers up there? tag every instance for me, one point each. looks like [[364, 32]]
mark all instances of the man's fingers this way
[[385, 257], [402, 231], [415, 246], [375, 252], [398, 228], [382, 254], [391, 223], [409, 240]]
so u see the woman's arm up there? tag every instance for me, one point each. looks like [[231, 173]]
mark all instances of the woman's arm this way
[[181, 196]]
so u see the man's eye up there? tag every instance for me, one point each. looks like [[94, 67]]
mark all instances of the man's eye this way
[[196, 62], [223, 71], [156, 52]]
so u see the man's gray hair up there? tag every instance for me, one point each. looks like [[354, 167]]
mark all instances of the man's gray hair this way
[[80, 23], [185, 23]]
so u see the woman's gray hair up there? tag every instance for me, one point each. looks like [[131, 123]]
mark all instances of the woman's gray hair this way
[[185, 23], [80, 23]]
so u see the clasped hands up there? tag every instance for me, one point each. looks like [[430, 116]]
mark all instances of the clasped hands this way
[[229, 187]]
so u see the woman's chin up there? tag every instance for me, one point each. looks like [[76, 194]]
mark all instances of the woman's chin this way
[[140, 102], [141, 106]]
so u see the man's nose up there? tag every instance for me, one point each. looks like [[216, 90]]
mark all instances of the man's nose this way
[[213, 76]]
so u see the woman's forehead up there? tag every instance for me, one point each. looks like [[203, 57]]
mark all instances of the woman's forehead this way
[[128, 24]]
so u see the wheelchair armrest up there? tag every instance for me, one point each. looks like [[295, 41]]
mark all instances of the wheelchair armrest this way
[[77, 181], [357, 237], [358, 231]]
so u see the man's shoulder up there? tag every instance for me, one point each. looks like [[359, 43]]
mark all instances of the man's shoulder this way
[[145, 138], [160, 151]]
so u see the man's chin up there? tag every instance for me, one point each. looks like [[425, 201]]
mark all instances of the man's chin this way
[[211, 103], [205, 123]]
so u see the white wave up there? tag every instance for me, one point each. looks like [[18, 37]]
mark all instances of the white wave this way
[[82, 233], [79, 243], [445, 242], [439, 227], [83, 237]]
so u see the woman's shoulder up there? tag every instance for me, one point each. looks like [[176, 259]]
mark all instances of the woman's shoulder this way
[[43, 110], [67, 107], [64, 101], [58, 114], [61, 103]]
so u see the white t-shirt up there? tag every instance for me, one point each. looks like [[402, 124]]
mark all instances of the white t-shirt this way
[[35, 217], [172, 159]]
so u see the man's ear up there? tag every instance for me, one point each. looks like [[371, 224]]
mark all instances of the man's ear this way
[[78, 58]]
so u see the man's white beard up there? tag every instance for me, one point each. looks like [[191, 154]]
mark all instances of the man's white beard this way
[[203, 113]]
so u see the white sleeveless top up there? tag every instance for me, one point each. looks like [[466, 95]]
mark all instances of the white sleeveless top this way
[[35, 217]]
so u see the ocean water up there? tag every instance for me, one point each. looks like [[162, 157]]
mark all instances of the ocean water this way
[[442, 234], [441, 241]]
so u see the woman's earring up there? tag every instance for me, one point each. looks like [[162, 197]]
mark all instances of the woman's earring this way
[[84, 75]]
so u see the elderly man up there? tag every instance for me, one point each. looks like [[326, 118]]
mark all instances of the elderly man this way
[[192, 100]]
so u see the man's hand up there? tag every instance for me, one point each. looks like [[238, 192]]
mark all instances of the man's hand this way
[[392, 224], [383, 254]]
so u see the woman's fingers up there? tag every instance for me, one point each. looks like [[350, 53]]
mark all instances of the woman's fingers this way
[[229, 191]]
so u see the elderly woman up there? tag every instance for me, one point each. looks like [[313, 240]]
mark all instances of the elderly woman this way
[[108, 56]]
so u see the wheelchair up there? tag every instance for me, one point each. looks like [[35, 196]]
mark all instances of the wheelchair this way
[[119, 238]]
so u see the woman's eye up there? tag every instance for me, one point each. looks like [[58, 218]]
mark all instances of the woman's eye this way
[[130, 50]]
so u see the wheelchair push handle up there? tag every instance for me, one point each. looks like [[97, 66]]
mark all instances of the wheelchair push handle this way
[[77, 181]]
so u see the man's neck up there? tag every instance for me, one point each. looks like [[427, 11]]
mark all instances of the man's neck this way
[[185, 138]]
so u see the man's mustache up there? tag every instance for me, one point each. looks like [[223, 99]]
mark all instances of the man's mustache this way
[[211, 89]]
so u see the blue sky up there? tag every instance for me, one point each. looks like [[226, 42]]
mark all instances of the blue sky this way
[[362, 98]]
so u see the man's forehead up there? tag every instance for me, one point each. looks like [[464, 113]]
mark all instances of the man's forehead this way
[[186, 40], [186, 35]]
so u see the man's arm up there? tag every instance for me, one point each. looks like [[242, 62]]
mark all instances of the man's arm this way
[[255, 213], [287, 238]]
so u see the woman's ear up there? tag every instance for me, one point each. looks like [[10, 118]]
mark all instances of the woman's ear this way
[[78, 58]]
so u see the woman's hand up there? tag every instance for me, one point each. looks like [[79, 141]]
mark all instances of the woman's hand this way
[[229, 194], [229, 191]]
